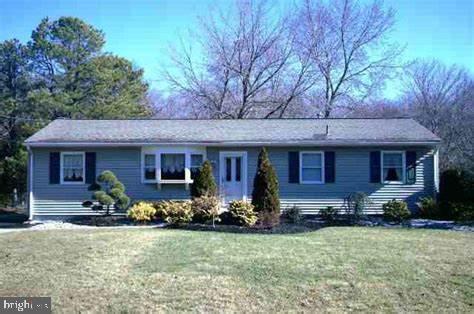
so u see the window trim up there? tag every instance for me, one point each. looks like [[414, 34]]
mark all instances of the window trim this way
[[322, 167], [61, 168], [403, 181]]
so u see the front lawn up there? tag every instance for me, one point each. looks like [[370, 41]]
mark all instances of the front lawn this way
[[338, 269]]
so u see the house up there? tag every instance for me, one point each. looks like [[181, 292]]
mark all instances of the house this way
[[319, 162]]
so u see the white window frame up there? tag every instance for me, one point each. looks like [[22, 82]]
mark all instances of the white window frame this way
[[322, 167], [403, 166], [61, 164], [158, 151], [144, 180]]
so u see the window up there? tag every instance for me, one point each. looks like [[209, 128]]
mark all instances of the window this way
[[311, 167], [150, 167], [173, 166], [392, 166], [196, 163], [228, 169], [233, 169], [238, 167], [177, 165], [72, 167]]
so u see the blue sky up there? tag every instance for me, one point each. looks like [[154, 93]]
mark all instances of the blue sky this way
[[142, 30]]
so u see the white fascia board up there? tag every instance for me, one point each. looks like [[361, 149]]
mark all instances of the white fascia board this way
[[219, 144]]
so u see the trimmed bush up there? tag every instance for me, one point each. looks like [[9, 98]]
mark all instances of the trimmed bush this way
[[109, 193], [293, 214], [242, 213], [142, 212], [396, 211], [428, 208], [204, 183], [329, 213], [265, 196], [177, 212], [206, 209]]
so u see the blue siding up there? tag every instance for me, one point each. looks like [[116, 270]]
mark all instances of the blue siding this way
[[352, 174], [67, 199]]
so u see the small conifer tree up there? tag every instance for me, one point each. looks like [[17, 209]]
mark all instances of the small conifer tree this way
[[204, 183], [265, 196]]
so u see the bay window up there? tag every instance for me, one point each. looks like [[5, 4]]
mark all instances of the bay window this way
[[174, 166]]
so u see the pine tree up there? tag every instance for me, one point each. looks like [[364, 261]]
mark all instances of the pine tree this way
[[265, 196], [204, 183]]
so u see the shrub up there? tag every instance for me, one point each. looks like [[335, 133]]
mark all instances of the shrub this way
[[293, 214], [206, 209], [242, 213], [160, 209], [226, 218], [177, 212], [204, 183], [265, 189], [428, 208], [329, 213], [463, 211], [142, 212], [456, 191], [109, 192], [267, 219], [356, 204], [396, 211]]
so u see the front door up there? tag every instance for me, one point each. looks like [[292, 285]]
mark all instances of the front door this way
[[233, 175]]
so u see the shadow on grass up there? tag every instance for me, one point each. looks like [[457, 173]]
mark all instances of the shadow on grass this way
[[282, 228]]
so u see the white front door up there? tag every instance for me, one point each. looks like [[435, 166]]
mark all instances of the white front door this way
[[233, 176]]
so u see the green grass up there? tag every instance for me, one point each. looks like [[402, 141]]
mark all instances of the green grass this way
[[333, 269]]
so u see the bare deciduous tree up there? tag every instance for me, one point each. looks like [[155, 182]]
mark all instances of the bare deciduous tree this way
[[347, 43], [248, 68], [381, 109], [442, 99]]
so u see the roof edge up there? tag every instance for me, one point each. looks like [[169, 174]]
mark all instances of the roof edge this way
[[228, 119], [236, 143]]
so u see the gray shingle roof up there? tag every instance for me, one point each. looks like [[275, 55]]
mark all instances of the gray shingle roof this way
[[252, 131]]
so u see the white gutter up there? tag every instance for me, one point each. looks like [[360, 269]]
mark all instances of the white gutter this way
[[240, 144], [30, 184], [436, 170]]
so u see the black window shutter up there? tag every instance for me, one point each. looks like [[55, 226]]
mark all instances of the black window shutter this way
[[54, 164], [329, 167], [90, 168], [375, 167], [293, 167], [411, 167]]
